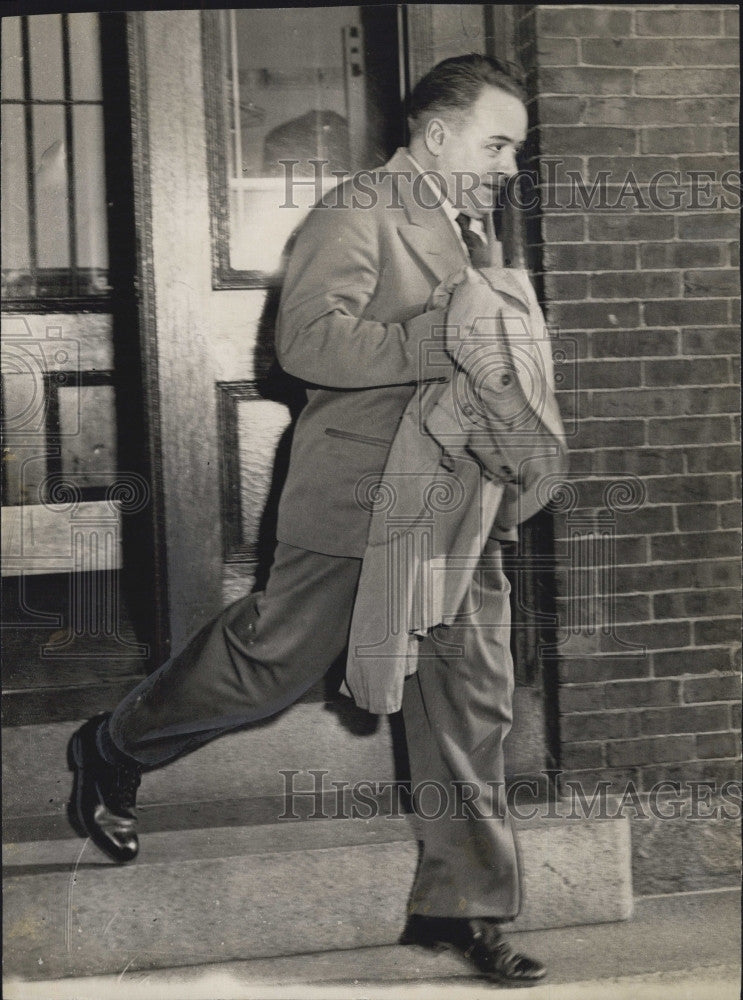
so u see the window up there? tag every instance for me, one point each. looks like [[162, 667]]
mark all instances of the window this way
[[296, 98], [54, 233]]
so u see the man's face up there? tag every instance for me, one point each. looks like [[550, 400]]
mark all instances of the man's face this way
[[477, 156]]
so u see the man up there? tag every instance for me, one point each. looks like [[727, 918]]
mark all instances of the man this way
[[366, 288]]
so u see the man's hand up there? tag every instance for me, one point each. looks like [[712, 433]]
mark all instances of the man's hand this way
[[439, 297]]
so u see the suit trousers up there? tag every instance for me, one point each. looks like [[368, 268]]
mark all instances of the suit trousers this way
[[264, 651]]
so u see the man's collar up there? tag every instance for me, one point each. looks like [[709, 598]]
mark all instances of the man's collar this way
[[431, 179]]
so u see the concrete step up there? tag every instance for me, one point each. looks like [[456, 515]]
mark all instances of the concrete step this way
[[659, 953], [231, 893], [335, 737]]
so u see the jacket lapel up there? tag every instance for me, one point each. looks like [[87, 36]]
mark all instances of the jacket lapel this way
[[427, 233]]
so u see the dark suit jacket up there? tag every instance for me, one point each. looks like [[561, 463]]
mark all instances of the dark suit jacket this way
[[352, 323]]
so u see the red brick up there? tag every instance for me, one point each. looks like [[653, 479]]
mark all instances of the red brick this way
[[716, 630], [697, 516], [714, 459], [588, 780], [630, 284], [732, 138], [715, 687], [567, 139], [564, 110], [636, 694], [690, 770], [594, 257], [708, 225], [695, 604], [605, 433], [678, 662], [599, 726], [647, 520], [562, 228], [579, 755], [630, 227], [687, 719], [684, 23], [603, 668], [717, 281], [642, 168], [654, 402], [687, 82], [637, 462], [734, 254], [684, 312], [729, 515], [588, 80], [593, 315], [717, 745], [663, 255], [566, 286], [657, 635], [731, 23], [685, 489], [686, 138], [698, 545], [709, 342], [667, 576], [556, 52], [581, 697], [608, 374], [650, 751], [677, 371], [656, 110], [565, 21], [635, 343]]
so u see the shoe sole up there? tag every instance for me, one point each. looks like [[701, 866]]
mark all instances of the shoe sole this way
[[490, 977]]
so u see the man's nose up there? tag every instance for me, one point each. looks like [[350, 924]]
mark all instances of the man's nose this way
[[509, 166]]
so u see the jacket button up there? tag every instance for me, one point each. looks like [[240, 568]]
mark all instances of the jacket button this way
[[505, 379], [467, 410], [507, 471]]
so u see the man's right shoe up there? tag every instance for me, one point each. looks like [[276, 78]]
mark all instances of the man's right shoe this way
[[102, 805]]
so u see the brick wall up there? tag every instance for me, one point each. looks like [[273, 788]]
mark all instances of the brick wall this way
[[648, 296]]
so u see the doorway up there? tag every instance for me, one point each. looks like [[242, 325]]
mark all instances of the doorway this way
[[79, 614]]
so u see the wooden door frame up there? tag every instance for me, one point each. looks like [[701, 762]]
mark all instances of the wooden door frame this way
[[146, 323]]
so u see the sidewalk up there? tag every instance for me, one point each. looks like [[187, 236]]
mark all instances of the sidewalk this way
[[681, 947]]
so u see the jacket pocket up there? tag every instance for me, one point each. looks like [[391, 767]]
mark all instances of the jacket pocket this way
[[360, 438]]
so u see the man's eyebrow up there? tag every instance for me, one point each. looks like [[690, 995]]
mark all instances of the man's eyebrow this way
[[503, 138]]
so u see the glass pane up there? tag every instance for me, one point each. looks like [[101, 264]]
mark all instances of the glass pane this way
[[85, 56], [12, 66], [295, 88], [15, 252], [50, 167], [90, 197], [261, 422], [45, 36], [87, 427]]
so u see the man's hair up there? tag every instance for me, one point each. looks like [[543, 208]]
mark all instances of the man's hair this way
[[455, 84]]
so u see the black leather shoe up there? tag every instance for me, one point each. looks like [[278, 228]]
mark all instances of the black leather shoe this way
[[481, 942], [104, 796]]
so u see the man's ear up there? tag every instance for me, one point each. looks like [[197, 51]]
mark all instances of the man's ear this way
[[435, 135]]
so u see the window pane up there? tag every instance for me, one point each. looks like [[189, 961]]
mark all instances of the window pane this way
[[45, 35], [12, 69], [50, 166], [295, 89], [85, 56], [90, 196], [15, 253]]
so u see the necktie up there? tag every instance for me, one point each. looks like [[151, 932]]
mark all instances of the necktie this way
[[478, 250]]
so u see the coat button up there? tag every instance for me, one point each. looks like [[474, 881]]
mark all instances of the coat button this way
[[507, 472], [467, 410], [505, 380]]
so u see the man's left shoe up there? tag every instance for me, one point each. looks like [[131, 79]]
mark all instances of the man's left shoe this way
[[481, 942]]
